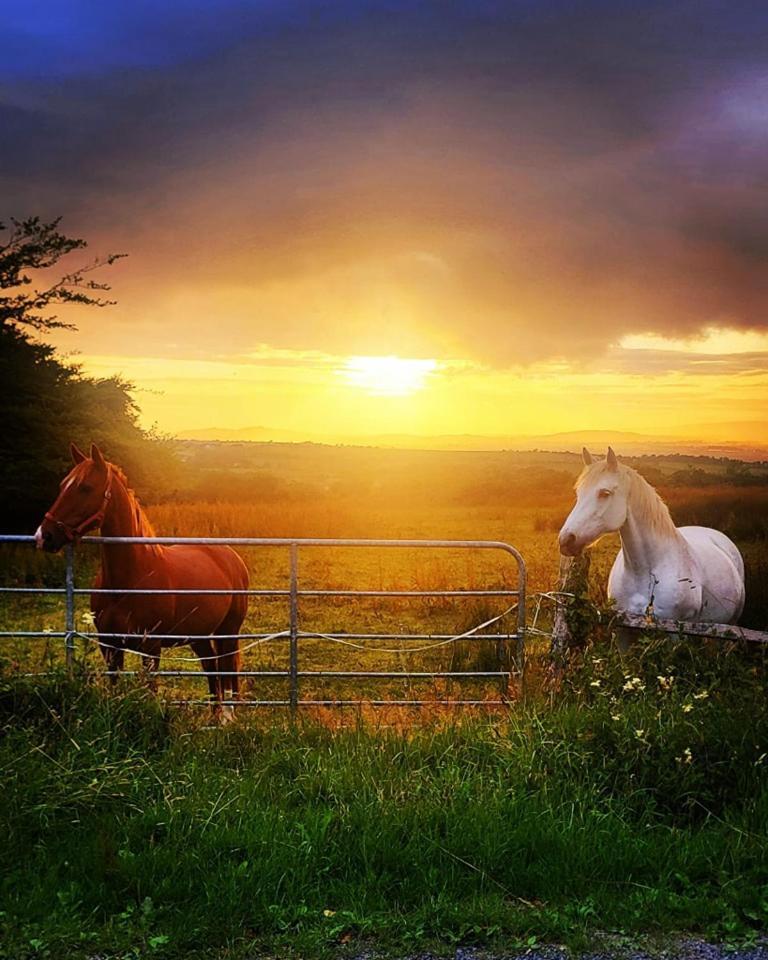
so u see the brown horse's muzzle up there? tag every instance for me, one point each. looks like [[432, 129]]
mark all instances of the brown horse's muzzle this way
[[50, 536]]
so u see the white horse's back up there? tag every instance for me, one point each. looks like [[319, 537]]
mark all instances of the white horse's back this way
[[701, 535]]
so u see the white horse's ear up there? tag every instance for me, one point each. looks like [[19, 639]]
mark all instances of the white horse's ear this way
[[77, 454], [586, 456], [611, 460], [97, 456]]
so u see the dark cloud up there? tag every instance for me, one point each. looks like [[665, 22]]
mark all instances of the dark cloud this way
[[501, 181], [649, 362]]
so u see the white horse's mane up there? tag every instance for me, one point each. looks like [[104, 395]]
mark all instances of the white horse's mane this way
[[647, 506]]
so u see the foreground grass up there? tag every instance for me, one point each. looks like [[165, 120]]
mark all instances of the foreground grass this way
[[638, 801]]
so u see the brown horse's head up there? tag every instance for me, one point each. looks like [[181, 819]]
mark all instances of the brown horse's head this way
[[80, 506]]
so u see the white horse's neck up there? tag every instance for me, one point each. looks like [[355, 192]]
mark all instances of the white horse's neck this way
[[649, 538]]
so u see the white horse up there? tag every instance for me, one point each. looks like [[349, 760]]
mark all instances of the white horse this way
[[676, 573]]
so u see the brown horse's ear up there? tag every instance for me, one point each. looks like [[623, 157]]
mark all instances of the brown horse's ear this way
[[97, 457], [586, 456], [611, 460], [77, 454]]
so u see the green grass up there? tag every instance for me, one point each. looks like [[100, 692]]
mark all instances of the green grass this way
[[132, 830]]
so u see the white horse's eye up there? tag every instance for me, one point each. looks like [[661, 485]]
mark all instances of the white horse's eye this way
[[604, 493]]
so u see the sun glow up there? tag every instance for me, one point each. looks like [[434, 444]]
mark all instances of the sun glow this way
[[387, 376]]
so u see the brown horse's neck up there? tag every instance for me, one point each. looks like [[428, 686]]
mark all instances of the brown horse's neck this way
[[125, 564]]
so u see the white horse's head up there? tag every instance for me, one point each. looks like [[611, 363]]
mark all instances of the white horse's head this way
[[601, 504]]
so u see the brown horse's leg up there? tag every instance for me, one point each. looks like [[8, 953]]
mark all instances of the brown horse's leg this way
[[225, 664], [204, 648], [230, 648], [229, 644], [235, 666], [151, 662], [114, 658]]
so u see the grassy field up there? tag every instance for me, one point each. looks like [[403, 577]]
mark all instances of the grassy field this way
[[633, 799], [637, 802]]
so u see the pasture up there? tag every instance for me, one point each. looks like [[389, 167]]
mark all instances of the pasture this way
[[634, 800]]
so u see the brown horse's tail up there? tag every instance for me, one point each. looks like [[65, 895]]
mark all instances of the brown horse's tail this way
[[229, 644], [241, 580]]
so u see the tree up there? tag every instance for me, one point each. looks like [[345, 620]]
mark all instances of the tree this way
[[45, 401], [35, 245]]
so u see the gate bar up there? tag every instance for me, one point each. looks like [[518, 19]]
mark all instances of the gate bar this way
[[286, 674], [69, 641], [294, 627]]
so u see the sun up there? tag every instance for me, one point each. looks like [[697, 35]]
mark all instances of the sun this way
[[387, 376]]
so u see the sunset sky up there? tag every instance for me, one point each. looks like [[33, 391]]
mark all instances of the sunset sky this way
[[555, 213]]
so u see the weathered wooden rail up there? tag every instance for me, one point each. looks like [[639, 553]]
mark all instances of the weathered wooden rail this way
[[684, 628]]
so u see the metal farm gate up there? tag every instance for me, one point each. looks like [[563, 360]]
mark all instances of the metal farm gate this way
[[293, 633]]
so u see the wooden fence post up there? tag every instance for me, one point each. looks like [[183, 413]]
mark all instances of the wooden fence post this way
[[568, 626]]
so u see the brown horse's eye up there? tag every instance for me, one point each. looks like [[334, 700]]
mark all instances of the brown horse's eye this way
[[85, 488], [603, 494]]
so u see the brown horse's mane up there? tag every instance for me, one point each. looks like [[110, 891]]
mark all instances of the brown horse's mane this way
[[141, 527]]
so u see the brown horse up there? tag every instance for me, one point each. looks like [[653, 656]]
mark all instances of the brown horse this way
[[95, 494]]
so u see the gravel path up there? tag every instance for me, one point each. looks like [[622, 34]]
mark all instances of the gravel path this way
[[604, 949]]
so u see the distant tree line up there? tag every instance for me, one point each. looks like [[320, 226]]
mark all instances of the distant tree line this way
[[46, 401]]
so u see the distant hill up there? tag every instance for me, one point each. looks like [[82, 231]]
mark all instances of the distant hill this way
[[455, 441], [734, 439], [255, 434]]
